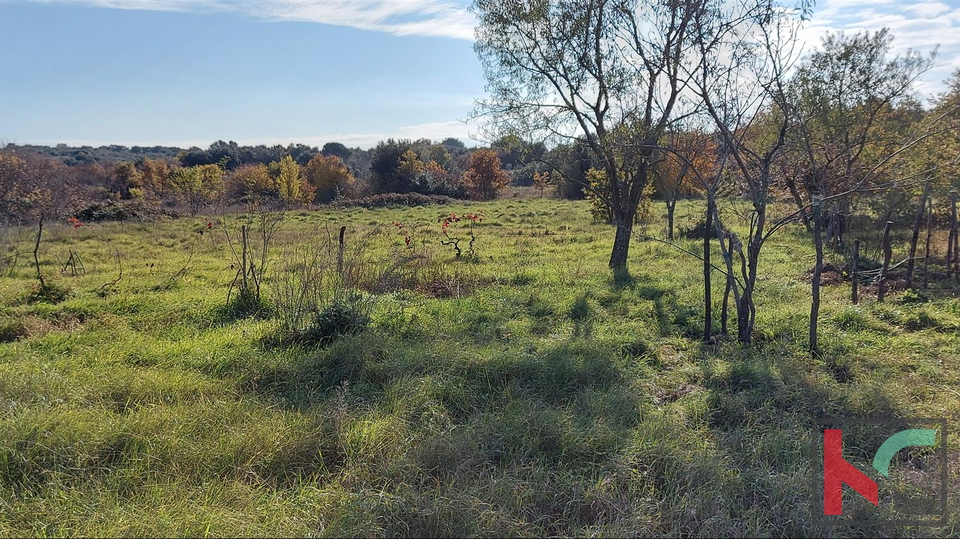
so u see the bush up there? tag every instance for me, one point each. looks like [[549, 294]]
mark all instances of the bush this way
[[696, 231], [316, 293], [912, 297], [394, 199], [13, 329], [50, 293], [347, 316], [121, 210]]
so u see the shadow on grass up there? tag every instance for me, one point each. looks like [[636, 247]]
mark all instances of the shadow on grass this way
[[762, 403]]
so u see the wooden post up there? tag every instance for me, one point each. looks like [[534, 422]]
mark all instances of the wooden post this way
[[817, 272], [724, 310], [243, 246], [708, 305], [954, 232], [949, 257], [917, 223], [854, 272], [343, 230], [887, 253], [36, 255], [926, 248]]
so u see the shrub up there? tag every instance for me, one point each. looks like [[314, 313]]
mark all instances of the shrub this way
[[317, 296], [696, 231], [348, 315], [484, 177], [50, 293], [600, 189], [394, 199], [121, 210], [13, 329]]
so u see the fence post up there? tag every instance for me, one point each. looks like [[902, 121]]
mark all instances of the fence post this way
[[926, 249], [887, 253], [854, 279], [340, 248]]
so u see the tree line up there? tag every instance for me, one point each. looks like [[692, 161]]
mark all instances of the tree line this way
[[227, 172]]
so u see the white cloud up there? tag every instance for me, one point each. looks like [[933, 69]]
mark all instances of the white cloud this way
[[436, 131], [432, 18], [928, 9], [919, 26]]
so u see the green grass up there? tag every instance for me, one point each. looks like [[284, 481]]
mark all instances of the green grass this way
[[521, 393]]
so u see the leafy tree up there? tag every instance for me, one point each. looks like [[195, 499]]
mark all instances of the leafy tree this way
[[199, 186], [336, 149], [672, 177], [841, 98], [155, 178], [328, 176], [541, 180], [453, 143], [485, 177], [13, 172], [571, 163], [129, 180], [385, 167], [596, 196], [301, 153], [292, 188], [605, 73], [251, 185], [438, 153]]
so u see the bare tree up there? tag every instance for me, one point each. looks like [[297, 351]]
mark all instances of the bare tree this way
[[741, 80], [605, 73]]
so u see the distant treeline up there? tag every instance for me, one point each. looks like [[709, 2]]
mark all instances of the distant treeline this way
[[78, 155], [38, 181]]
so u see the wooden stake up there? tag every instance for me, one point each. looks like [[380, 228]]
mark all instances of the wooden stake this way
[[854, 270], [926, 249], [887, 254], [724, 311], [343, 230]]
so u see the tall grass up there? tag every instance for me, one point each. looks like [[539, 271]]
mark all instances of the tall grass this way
[[524, 393]]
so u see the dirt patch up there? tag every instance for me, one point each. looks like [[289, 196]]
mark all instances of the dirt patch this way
[[678, 393], [15, 329], [830, 274]]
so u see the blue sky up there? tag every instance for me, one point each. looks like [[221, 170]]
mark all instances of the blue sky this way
[[188, 72]]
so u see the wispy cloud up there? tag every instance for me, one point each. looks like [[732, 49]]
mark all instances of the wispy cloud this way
[[916, 25], [432, 18], [436, 131]]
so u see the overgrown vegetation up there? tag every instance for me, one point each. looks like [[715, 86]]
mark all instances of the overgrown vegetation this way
[[542, 397]]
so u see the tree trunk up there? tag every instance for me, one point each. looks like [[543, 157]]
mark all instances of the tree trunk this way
[[623, 221], [36, 255], [887, 253], [744, 329], [798, 200], [747, 310], [926, 247], [815, 280], [671, 206], [707, 288], [917, 223], [953, 232], [950, 236], [854, 277], [724, 310], [243, 237]]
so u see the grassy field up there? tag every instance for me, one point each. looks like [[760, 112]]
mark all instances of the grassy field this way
[[523, 393]]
